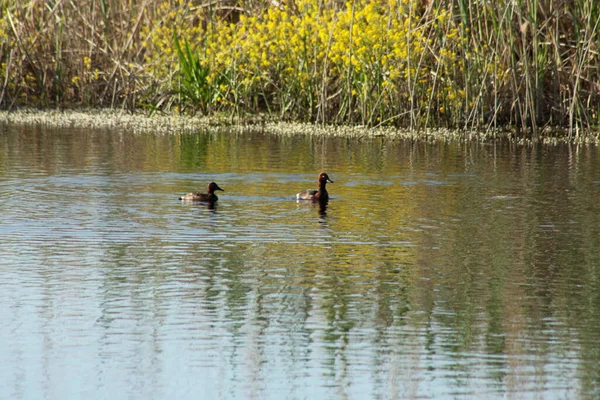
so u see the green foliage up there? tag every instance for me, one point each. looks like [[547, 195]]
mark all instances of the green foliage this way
[[193, 84]]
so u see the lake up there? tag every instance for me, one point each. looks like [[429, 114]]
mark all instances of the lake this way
[[436, 270]]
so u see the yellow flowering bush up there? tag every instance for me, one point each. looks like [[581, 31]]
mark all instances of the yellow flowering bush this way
[[364, 62]]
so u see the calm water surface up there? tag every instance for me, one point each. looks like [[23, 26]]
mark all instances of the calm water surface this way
[[435, 271]]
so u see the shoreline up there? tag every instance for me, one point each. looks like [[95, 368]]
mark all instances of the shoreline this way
[[169, 123]]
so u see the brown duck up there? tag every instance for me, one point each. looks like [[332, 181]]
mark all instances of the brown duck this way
[[209, 196], [317, 194]]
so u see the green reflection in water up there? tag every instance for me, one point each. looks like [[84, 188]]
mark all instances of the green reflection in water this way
[[474, 265]]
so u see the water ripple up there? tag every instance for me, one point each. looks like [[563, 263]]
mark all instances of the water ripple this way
[[420, 279]]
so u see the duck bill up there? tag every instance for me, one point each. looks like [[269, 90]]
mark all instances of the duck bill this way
[[329, 180]]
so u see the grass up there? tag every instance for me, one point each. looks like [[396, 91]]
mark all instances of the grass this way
[[530, 66]]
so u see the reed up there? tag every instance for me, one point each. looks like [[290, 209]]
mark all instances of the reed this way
[[528, 64]]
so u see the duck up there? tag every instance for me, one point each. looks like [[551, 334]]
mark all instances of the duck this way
[[209, 196], [316, 194]]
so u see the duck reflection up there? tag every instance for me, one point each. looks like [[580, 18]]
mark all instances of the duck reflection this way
[[209, 205], [321, 205], [323, 208]]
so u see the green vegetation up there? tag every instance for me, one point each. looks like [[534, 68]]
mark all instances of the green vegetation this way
[[463, 64]]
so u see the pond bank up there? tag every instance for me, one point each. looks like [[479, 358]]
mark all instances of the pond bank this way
[[171, 123]]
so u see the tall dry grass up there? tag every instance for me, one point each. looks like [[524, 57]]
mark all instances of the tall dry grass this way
[[525, 64], [69, 53]]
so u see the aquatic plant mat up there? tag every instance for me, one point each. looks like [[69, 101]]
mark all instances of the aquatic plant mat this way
[[167, 124]]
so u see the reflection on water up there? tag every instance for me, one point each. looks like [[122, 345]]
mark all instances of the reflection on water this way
[[435, 270]]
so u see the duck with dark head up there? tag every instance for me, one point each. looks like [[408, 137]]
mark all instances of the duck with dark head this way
[[210, 196], [320, 194]]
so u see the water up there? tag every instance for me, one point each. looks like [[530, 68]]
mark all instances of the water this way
[[435, 271]]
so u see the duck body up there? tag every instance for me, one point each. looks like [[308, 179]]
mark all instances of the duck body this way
[[320, 194], [199, 196], [209, 196]]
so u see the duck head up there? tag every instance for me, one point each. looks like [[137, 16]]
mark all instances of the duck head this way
[[213, 186]]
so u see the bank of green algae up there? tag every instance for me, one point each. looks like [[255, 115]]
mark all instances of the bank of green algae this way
[[174, 123]]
